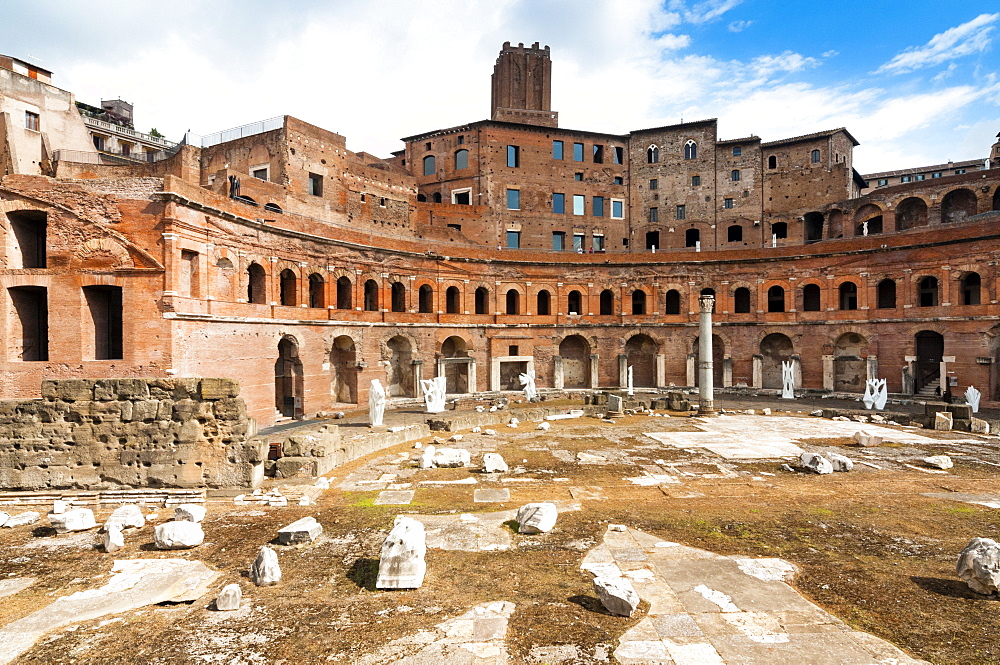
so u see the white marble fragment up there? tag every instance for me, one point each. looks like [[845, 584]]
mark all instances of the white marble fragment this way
[[427, 457], [514, 422], [979, 565], [189, 512], [452, 457], [455, 438], [867, 439], [972, 398], [477, 429], [980, 426], [300, 531], [128, 516], [59, 506], [765, 412], [536, 517], [939, 461], [402, 564], [617, 595], [840, 462], [322, 483], [79, 519], [376, 403], [3, 518], [816, 463], [494, 463], [229, 598], [178, 535], [545, 427], [113, 539], [490, 432], [787, 379], [943, 421], [265, 571]]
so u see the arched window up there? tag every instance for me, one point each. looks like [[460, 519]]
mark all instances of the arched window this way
[[734, 233], [513, 302], [638, 302], [741, 300], [371, 296], [421, 198], [461, 159], [575, 303], [425, 299], [452, 300], [970, 286], [288, 284], [652, 154], [317, 291], [690, 150], [437, 197], [814, 157], [256, 284], [543, 303], [607, 302], [672, 303], [927, 290], [692, 237], [848, 295], [429, 165], [776, 299], [885, 294], [397, 296], [811, 298], [734, 175], [272, 207], [482, 300], [345, 293], [772, 162]]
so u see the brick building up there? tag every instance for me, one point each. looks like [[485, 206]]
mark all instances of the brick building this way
[[273, 255]]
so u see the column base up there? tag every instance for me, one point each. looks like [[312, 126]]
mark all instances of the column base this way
[[707, 411]]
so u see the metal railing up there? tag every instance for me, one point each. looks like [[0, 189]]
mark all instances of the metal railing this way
[[242, 131]]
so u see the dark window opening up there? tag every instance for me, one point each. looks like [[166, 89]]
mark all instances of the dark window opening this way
[[652, 239], [811, 295], [652, 154], [345, 293], [397, 297], [29, 229], [672, 304], [543, 303], [776, 299], [30, 334], [288, 286], [692, 237], [848, 296], [461, 198], [886, 294], [779, 230], [575, 303], [734, 175], [598, 154], [681, 212], [513, 302], [772, 162], [256, 284], [105, 305], [927, 290], [971, 286], [430, 167], [814, 157], [734, 233], [638, 302], [425, 299], [453, 300], [461, 159], [741, 300], [436, 197], [317, 294], [690, 150], [482, 298], [814, 227], [371, 296], [315, 184], [696, 181], [607, 302]]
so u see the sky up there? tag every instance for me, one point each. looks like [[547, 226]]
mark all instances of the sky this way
[[917, 83]]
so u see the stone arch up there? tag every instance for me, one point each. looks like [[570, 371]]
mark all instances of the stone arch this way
[[456, 373], [256, 283], [574, 302], [482, 299], [102, 254], [288, 378], [513, 301], [344, 370], [958, 205], [543, 303], [640, 352], [575, 352], [638, 302], [397, 356], [970, 286], [812, 297], [607, 302], [425, 299], [870, 214], [775, 348], [850, 369], [911, 212]]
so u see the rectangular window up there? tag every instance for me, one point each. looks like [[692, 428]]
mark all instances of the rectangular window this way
[[959, 171], [189, 274], [259, 172], [578, 204], [905, 178], [104, 335], [727, 203], [737, 150], [681, 212], [597, 207], [619, 156], [462, 197], [31, 120], [577, 152], [934, 175], [98, 142], [695, 180], [654, 183], [883, 182], [921, 176], [598, 154], [598, 243], [557, 150], [619, 180], [617, 209], [315, 184], [578, 177], [513, 239], [513, 199], [559, 203], [654, 215], [577, 242], [513, 156], [559, 240], [29, 330], [461, 139]]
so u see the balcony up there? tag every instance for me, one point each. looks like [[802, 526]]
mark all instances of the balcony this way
[[125, 132]]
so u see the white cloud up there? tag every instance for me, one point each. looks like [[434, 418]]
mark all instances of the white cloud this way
[[966, 39], [739, 26], [703, 11]]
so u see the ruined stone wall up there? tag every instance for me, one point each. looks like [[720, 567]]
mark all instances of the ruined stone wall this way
[[107, 433]]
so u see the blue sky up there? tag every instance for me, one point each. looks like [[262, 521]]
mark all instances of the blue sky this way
[[917, 82]]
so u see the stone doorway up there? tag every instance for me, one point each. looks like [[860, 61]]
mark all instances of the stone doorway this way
[[288, 383]]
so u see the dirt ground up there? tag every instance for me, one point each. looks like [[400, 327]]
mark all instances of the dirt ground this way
[[872, 550]]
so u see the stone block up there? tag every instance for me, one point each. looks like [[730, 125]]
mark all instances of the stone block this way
[[178, 535], [295, 467], [184, 410], [840, 462], [494, 463], [536, 518], [979, 565], [189, 512], [617, 595], [75, 390], [979, 426], [452, 457], [402, 564], [127, 516], [939, 461], [113, 539], [80, 519], [943, 421], [230, 408], [145, 410], [165, 409], [187, 388], [213, 389], [301, 531], [229, 598], [816, 463], [960, 411], [265, 571]]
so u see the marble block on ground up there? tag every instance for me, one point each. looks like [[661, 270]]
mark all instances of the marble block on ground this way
[[304, 530], [402, 564], [189, 512], [128, 516], [979, 565], [229, 598], [178, 535], [536, 517], [265, 571], [394, 498], [617, 595], [491, 495], [79, 519]]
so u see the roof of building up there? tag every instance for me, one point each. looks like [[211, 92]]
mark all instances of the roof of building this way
[[925, 169], [814, 135], [504, 123], [706, 121], [26, 62], [746, 139]]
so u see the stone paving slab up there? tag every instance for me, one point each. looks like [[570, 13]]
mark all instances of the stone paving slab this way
[[987, 500], [10, 586], [708, 609], [491, 496], [394, 498]]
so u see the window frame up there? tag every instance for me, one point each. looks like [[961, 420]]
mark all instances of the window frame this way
[[621, 206], [516, 198]]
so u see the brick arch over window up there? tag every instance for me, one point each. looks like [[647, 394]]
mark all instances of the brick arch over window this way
[[910, 213], [958, 205]]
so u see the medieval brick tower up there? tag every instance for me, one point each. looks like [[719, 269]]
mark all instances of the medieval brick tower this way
[[522, 86]]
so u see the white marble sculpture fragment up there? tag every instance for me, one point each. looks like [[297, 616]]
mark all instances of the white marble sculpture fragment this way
[[979, 565], [972, 397], [178, 535], [376, 403], [22, 519], [265, 571], [939, 461], [229, 598], [840, 462], [528, 381], [402, 564], [867, 439], [536, 517], [787, 380], [300, 531], [79, 519], [113, 539], [189, 512], [816, 463], [434, 393], [617, 595], [628, 381], [447, 458], [128, 516], [494, 463], [881, 394]]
